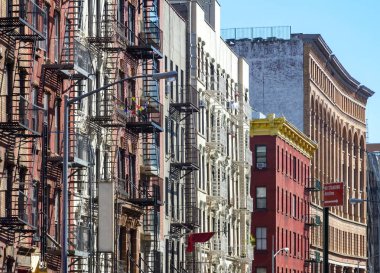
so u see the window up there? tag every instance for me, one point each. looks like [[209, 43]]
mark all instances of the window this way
[[56, 37], [120, 12], [261, 198], [57, 209], [167, 129], [166, 196], [294, 206], [261, 270], [121, 164], [131, 24], [261, 238], [56, 126], [45, 27], [121, 87], [34, 108], [132, 173], [261, 156], [294, 168]]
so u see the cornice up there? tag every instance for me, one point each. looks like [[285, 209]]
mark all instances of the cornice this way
[[321, 45], [280, 127]]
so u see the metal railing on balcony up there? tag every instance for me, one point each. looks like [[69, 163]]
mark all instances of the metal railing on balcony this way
[[220, 188], [26, 13], [218, 139], [142, 111], [187, 100], [150, 34], [79, 150], [144, 195], [185, 157], [280, 32], [21, 115], [77, 55], [20, 209]]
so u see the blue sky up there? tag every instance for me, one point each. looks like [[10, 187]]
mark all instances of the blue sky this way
[[349, 27]]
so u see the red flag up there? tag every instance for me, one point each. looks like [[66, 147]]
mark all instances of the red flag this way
[[198, 238]]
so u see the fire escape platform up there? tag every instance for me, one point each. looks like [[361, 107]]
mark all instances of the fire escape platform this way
[[185, 107], [76, 162], [185, 166], [145, 202], [176, 227], [144, 127], [100, 41], [144, 52], [77, 253], [72, 71], [13, 127], [9, 24], [117, 119], [17, 224]]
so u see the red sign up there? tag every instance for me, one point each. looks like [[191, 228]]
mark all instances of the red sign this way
[[333, 194]]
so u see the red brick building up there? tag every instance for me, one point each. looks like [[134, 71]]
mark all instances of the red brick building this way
[[281, 187]]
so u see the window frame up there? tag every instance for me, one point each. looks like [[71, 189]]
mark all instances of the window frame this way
[[261, 161], [261, 239], [261, 198]]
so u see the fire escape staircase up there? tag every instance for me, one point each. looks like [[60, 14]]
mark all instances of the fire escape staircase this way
[[147, 44], [75, 66], [20, 128], [147, 195]]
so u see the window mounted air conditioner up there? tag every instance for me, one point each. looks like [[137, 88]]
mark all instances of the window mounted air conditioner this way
[[261, 165]]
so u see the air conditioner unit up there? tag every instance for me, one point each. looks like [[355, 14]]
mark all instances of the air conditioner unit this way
[[261, 165], [202, 104]]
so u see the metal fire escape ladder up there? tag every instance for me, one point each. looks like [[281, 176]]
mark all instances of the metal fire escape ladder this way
[[149, 34], [20, 127], [75, 66], [183, 110]]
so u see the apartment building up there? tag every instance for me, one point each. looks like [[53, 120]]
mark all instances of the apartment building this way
[[298, 76], [282, 189], [217, 198], [107, 215], [181, 106], [29, 182]]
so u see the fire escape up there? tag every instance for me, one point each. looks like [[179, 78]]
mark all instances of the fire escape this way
[[217, 142], [74, 68], [112, 112], [20, 130], [144, 112], [242, 164], [184, 163], [313, 257]]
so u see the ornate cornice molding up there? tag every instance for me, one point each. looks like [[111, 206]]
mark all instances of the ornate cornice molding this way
[[280, 127]]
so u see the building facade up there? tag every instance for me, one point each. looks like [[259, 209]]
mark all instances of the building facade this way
[[54, 50], [299, 77], [220, 202], [149, 162], [281, 186], [373, 183]]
